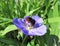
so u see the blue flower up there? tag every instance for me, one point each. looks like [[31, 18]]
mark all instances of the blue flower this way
[[31, 25]]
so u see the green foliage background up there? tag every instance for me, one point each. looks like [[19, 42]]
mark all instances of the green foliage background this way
[[49, 10]]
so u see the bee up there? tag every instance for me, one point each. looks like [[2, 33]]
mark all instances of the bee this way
[[30, 21]]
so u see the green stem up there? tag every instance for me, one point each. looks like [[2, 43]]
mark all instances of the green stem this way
[[23, 41]]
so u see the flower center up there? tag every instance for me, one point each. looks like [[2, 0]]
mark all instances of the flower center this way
[[29, 27]]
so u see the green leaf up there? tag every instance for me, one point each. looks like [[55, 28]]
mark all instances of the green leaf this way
[[55, 9], [54, 20], [29, 13], [9, 28], [32, 42], [20, 34], [28, 44], [8, 41], [37, 44]]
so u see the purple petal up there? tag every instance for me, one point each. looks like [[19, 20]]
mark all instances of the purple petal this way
[[37, 19], [20, 24], [40, 31]]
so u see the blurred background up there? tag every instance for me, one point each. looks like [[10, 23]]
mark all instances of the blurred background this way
[[49, 10]]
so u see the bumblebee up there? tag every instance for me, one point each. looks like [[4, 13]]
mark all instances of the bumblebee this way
[[30, 21]]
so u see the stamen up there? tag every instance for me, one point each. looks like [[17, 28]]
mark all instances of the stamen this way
[[29, 27]]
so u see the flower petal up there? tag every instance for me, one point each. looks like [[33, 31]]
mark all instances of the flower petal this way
[[40, 31], [37, 19], [20, 24]]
